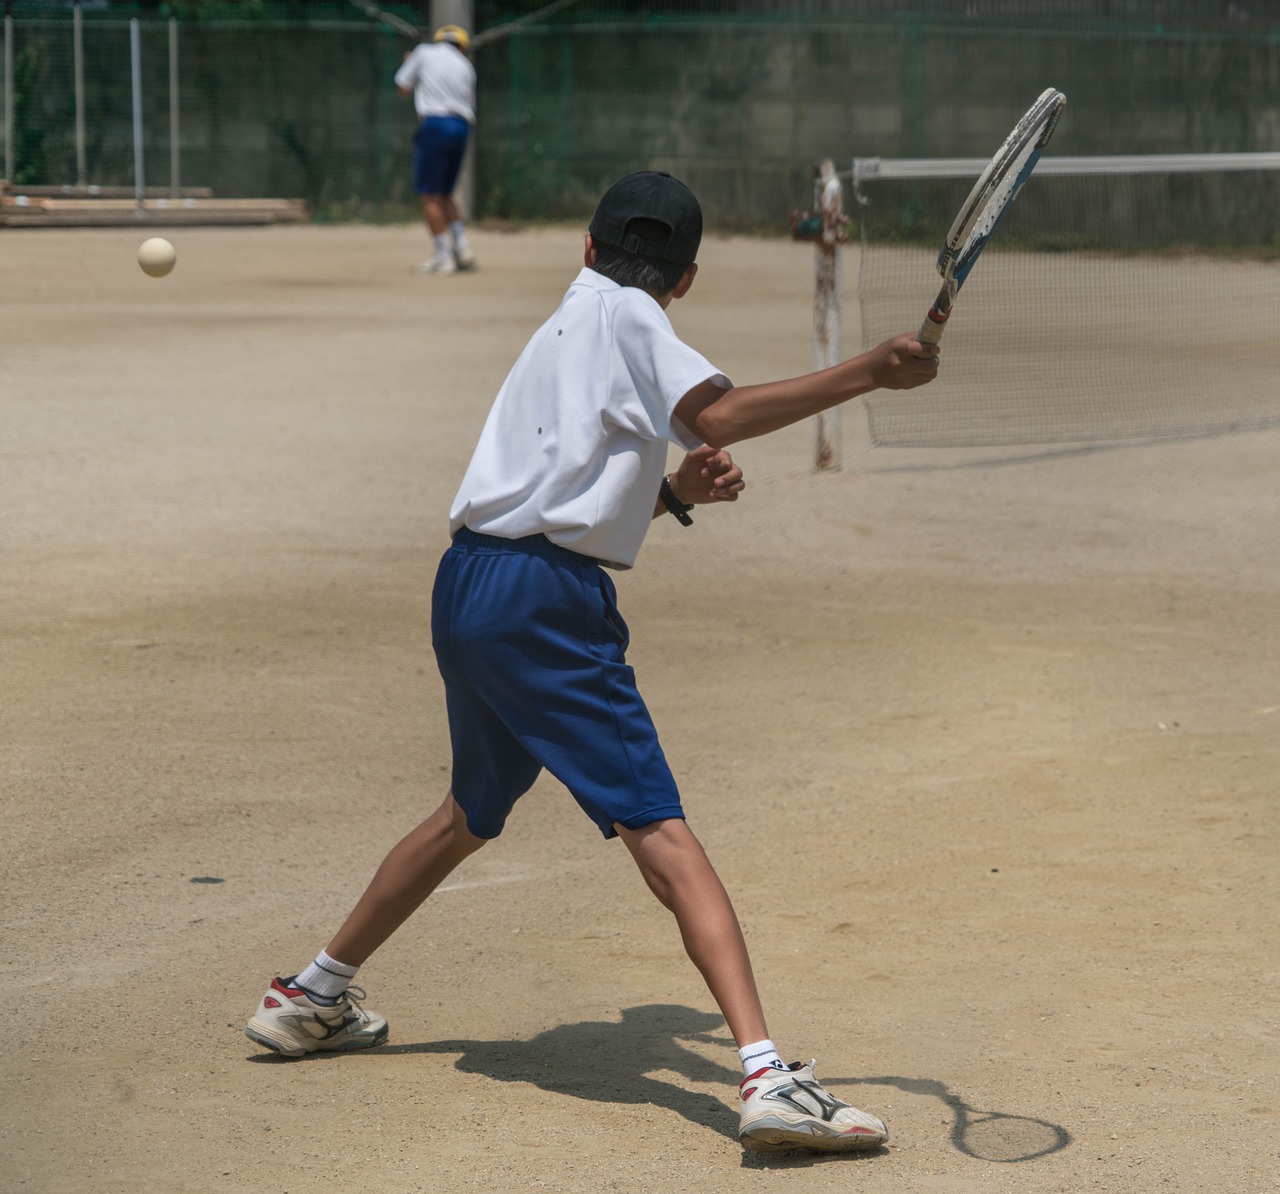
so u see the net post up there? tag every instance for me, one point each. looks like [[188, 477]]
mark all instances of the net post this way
[[829, 201]]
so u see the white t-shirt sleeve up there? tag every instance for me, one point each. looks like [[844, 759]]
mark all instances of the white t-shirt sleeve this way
[[407, 75], [653, 370]]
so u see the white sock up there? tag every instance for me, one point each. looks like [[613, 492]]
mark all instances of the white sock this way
[[459, 234], [327, 978], [443, 248], [756, 1057]]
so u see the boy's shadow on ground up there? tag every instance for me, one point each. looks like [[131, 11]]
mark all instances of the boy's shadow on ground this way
[[611, 1063]]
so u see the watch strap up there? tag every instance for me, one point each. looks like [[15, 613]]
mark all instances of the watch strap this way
[[673, 503]]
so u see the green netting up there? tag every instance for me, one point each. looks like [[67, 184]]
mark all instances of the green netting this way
[[297, 100]]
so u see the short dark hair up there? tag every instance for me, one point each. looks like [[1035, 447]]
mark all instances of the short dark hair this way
[[633, 269]]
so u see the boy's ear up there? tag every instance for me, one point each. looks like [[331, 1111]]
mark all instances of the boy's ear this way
[[589, 252], [686, 281]]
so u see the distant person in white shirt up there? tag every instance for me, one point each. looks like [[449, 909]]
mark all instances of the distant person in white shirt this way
[[442, 81], [568, 474]]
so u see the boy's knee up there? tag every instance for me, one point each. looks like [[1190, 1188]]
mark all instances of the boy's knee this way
[[464, 841], [667, 854]]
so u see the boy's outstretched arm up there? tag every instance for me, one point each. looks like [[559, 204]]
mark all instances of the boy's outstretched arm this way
[[705, 475], [720, 417]]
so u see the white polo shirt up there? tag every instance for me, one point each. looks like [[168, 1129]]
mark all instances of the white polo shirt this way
[[576, 443], [442, 80]]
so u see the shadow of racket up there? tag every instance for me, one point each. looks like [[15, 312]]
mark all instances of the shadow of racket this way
[[984, 1135]]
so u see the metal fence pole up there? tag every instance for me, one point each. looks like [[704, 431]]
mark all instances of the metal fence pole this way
[[8, 98], [82, 174], [139, 171], [459, 12], [175, 114]]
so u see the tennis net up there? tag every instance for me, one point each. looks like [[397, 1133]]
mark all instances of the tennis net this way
[[1123, 298]]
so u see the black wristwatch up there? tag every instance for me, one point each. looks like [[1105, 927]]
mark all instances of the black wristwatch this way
[[674, 504]]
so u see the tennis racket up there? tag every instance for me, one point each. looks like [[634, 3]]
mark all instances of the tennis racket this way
[[982, 211]]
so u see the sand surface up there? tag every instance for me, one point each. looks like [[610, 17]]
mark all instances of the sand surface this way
[[985, 745]]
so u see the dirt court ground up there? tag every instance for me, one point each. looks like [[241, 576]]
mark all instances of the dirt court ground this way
[[984, 744]]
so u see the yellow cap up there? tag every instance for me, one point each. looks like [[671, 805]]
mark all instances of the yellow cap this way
[[455, 34]]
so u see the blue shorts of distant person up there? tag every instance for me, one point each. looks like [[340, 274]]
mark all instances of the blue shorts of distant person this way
[[531, 646], [438, 146]]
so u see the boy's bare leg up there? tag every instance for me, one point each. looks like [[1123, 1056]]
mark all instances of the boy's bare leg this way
[[413, 869], [679, 873], [438, 213], [434, 214], [289, 1020]]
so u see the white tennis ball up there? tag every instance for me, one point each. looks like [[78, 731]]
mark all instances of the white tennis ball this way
[[156, 256]]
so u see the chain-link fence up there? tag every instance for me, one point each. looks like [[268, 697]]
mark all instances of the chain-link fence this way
[[248, 108], [740, 99]]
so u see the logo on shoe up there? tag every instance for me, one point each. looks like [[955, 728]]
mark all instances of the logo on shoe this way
[[826, 1106]]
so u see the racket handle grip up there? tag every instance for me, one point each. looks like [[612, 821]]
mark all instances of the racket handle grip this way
[[936, 321], [931, 330]]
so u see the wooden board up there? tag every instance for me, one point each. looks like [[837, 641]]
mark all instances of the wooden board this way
[[30, 210]]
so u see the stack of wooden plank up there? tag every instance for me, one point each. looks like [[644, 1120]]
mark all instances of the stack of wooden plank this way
[[44, 207]]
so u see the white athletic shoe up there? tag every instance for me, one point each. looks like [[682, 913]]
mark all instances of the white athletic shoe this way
[[291, 1023], [788, 1109], [442, 264], [464, 257]]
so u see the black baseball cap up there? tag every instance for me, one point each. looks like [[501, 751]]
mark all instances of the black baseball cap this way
[[650, 195]]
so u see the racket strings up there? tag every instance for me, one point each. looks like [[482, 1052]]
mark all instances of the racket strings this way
[[1004, 187], [993, 209]]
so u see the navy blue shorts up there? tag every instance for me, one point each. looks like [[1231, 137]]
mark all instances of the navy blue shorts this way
[[438, 146], [531, 646]]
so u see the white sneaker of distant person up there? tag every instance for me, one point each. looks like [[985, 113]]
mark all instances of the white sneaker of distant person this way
[[442, 264], [463, 255]]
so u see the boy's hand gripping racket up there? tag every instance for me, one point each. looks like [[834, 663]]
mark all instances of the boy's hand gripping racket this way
[[982, 211]]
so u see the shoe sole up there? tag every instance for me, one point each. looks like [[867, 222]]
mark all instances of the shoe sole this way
[[256, 1030], [773, 1139]]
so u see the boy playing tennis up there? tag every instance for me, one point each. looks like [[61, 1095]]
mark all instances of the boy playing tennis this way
[[566, 477]]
